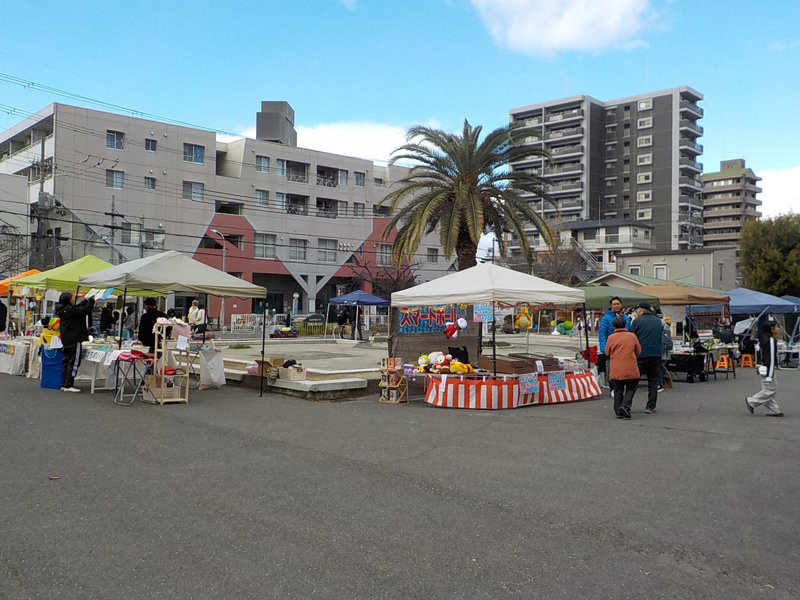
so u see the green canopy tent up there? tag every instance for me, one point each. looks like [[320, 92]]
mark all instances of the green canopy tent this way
[[66, 276], [599, 296]]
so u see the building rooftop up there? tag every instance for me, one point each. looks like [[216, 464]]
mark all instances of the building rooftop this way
[[746, 171]]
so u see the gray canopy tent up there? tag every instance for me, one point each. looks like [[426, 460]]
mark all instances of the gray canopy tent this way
[[175, 272]]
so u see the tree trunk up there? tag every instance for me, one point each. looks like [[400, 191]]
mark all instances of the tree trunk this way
[[466, 251]]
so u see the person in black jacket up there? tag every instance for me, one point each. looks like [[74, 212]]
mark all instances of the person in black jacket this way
[[148, 321], [106, 320], [3, 316], [648, 328], [770, 331], [73, 333]]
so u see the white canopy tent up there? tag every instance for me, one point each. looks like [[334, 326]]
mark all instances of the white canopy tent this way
[[174, 272], [171, 271], [487, 282]]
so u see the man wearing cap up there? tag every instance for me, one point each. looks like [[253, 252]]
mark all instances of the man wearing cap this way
[[649, 330], [148, 321]]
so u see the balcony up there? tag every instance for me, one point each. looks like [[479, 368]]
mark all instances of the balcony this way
[[690, 106], [575, 113], [690, 201], [327, 177], [564, 133], [566, 150], [296, 177], [689, 145], [562, 169], [691, 164], [567, 186], [732, 223], [690, 182], [717, 237], [691, 126]]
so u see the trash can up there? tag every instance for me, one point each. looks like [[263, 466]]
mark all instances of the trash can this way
[[51, 368]]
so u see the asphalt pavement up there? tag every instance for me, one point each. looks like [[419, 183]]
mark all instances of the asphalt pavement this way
[[236, 496]]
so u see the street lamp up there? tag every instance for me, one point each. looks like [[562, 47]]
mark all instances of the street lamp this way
[[222, 304]]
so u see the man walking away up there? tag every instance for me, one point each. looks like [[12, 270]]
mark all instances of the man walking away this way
[[73, 333], [649, 330], [605, 329], [622, 348]]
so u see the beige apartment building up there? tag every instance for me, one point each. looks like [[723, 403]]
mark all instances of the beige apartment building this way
[[729, 201], [292, 219]]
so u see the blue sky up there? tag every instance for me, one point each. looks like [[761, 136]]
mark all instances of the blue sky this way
[[360, 72]]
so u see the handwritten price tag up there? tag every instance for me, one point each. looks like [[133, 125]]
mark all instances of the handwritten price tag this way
[[556, 382], [95, 356]]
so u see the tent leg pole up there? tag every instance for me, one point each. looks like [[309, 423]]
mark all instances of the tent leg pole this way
[[263, 340], [586, 329], [494, 342]]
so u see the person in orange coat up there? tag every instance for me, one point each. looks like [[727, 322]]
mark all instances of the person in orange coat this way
[[622, 348]]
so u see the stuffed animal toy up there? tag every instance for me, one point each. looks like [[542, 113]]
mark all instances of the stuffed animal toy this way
[[451, 330], [457, 367], [442, 363], [523, 319], [423, 363]]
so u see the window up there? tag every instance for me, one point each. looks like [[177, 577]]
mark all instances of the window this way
[[626, 165], [647, 234], [115, 139], [378, 182], [264, 245], [644, 140], [660, 272], [644, 159], [646, 104], [262, 197], [644, 177], [644, 214], [280, 166], [590, 234], [342, 177], [193, 191], [634, 232], [192, 153], [297, 249], [149, 183], [326, 251], [645, 123], [383, 255], [341, 208], [135, 234], [433, 255], [626, 148], [114, 179], [262, 163], [358, 209], [359, 179], [635, 270], [644, 196], [150, 145], [626, 130], [280, 200]]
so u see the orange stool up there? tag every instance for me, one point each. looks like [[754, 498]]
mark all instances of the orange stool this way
[[724, 363], [747, 361]]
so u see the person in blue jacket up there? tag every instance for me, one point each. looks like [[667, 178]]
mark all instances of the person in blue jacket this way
[[605, 329]]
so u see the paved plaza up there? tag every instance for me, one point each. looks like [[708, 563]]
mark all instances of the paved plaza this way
[[236, 496]]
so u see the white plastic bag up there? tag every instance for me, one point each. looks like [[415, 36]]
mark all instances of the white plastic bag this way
[[212, 369]]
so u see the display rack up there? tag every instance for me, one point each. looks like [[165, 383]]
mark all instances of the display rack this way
[[161, 388], [393, 383]]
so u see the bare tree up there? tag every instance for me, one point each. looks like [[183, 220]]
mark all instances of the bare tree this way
[[385, 279], [14, 250]]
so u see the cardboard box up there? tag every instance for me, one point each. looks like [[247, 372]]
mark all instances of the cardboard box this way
[[506, 364], [293, 373], [274, 362]]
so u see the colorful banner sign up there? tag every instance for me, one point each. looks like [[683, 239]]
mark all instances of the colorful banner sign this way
[[529, 383], [556, 381], [428, 320], [482, 312]]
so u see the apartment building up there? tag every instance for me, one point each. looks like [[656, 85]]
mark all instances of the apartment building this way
[[291, 219], [707, 267], [729, 201], [633, 158]]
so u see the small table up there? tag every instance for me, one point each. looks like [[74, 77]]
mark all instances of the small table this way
[[789, 358]]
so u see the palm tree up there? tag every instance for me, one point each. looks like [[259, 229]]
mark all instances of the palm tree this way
[[465, 188]]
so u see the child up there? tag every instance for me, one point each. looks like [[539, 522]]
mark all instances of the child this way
[[622, 348], [769, 361]]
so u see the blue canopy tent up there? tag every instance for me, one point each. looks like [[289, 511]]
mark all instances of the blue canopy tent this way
[[356, 298], [750, 302]]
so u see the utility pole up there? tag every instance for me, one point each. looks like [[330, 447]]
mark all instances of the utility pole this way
[[112, 227], [222, 301], [141, 237]]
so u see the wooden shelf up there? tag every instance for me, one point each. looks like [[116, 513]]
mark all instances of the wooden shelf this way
[[394, 386]]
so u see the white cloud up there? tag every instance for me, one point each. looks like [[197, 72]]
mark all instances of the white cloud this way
[[780, 46], [374, 141], [781, 191], [349, 4], [544, 27]]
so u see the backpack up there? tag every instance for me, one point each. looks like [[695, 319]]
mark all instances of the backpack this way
[[666, 339]]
